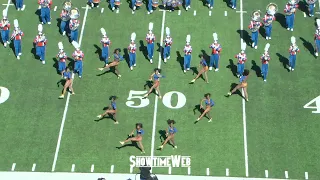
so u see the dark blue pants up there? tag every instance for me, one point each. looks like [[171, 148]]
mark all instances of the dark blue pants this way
[[166, 51], [41, 52], [105, 54], [268, 30], [240, 69], [254, 37], [45, 15], [317, 45], [264, 70], [132, 57], [290, 21], [311, 9], [61, 66], [17, 46], [63, 26], [78, 67], [292, 61], [74, 35], [5, 35], [150, 48], [234, 3], [19, 4], [214, 60], [187, 61]]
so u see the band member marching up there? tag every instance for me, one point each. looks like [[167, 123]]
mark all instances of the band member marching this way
[[78, 56], [170, 133], [242, 58], [187, 4], [112, 110], [317, 38], [290, 11], [243, 85], [150, 38], [115, 5], [67, 75], [203, 64], [167, 45], [65, 17], [138, 138], [215, 55], [62, 56], [152, 4], [132, 48], [187, 54], [105, 41], [209, 104], [311, 6], [135, 4], [17, 38], [117, 58], [5, 28], [44, 6], [94, 3], [74, 24], [234, 4], [20, 5], [269, 18], [254, 26], [41, 42], [155, 76], [265, 58], [293, 50], [210, 4]]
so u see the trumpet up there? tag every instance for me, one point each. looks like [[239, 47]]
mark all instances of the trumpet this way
[[272, 8]]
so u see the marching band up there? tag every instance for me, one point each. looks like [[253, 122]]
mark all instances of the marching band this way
[[132, 48], [5, 28], [45, 14], [41, 42], [290, 11], [272, 9], [150, 38], [167, 45], [17, 37], [215, 54], [311, 5], [254, 26]]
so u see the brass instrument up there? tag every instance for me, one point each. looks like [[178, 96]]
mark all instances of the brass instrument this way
[[45, 4], [272, 8], [311, 2], [74, 13], [155, 3], [67, 5], [75, 25], [138, 3], [256, 15]]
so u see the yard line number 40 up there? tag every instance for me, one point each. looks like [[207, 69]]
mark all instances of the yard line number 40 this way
[[166, 99], [315, 101], [4, 94]]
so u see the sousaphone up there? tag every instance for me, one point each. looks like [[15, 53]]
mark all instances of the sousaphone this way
[[74, 13], [293, 2], [67, 5], [272, 8], [311, 2], [256, 15]]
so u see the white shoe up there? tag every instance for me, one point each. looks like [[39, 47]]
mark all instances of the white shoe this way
[[151, 61], [210, 68], [121, 142], [132, 12], [256, 47], [269, 38], [131, 68], [92, 5], [188, 69], [5, 45], [49, 22], [113, 8], [99, 116], [18, 57], [187, 8], [43, 62], [135, 65], [148, 12], [316, 54], [290, 68], [211, 7], [291, 29], [165, 60], [97, 6], [216, 70], [117, 11], [18, 9], [234, 8], [119, 76], [134, 8], [64, 33], [288, 29], [80, 77], [184, 71], [252, 45], [19, 54], [265, 80], [42, 23]]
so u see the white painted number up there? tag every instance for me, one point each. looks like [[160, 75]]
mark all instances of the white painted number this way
[[4, 94], [167, 100], [315, 101], [137, 95]]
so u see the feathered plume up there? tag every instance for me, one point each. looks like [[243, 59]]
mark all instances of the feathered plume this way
[[16, 23], [167, 31], [243, 47], [103, 32], [150, 26], [133, 36], [266, 48], [4, 13], [215, 37], [75, 45], [40, 28], [60, 45], [293, 40], [188, 39], [318, 23]]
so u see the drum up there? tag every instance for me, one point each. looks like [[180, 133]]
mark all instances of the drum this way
[[117, 2], [96, 1], [155, 3], [138, 3]]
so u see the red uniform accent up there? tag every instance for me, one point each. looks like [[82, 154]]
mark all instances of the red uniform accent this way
[[6, 27]]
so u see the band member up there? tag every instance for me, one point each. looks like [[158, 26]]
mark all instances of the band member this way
[[150, 38], [41, 42], [17, 37], [209, 104], [317, 38], [152, 4], [203, 64], [187, 54], [243, 85], [269, 18], [187, 4], [65, 17], [242, 58], [117, 58], [62, 56], [265, 58], [74, 25], [135, 4], [234, 4], [5, 28], [210, 4], [105, 41], [20, 5], [311, 6], [112, 110], [78, 56], [44, 6], [132, 48], [155, 76], [138, 138], [115, 5], [167, 45], [254, 26], [67, 74], [94, 3], [170, 132], [290, 11], [215, 55], [293, 50]]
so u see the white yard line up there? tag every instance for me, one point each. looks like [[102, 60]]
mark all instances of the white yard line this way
[[244, 117], [9, 1], [68, 99], [156, 98]]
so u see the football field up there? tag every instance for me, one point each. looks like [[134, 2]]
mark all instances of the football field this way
[[274, 135]]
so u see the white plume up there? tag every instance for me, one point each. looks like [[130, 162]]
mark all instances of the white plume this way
[[150, 26], [167, 31], [133, 36], [188, 39], [40, 28], [293, 40], [75, 45], [215, 36], [243, 47], [103, 32], [4, 13], [60, 45], [318, 22], [16, 23], [266, 48]]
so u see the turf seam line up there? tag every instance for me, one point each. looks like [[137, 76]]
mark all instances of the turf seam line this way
[[244, 118], [156, 97], [112, 169], [13, 166], [33, 167], [68, 99], [73, 167]]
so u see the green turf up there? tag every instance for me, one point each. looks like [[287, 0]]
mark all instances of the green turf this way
[[282, 136]]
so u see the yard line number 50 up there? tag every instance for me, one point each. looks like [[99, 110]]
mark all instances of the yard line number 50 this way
[[4, 94], [315, 101], [166, 99]]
